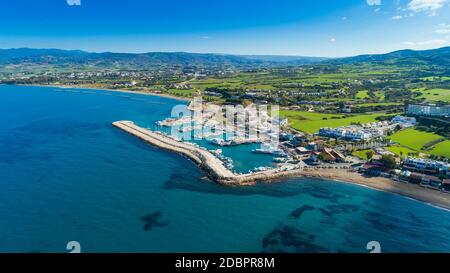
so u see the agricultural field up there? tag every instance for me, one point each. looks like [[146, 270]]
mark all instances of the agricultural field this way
[[436, 78], [311, 122], [414, 139], [442, 149]]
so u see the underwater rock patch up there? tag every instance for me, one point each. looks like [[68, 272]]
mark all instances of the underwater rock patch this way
[[153, 220], [296, 214], [290, 239]]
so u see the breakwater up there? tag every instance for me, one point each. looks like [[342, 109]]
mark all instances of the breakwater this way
[[214, 167]]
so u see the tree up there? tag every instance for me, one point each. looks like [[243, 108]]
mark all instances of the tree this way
[[370, 154], [389, 161], [246, 102]]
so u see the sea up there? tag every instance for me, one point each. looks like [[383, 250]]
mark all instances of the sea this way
[[67, 175]]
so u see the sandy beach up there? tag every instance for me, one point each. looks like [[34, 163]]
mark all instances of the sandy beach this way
[[148, 93], [416, 192]]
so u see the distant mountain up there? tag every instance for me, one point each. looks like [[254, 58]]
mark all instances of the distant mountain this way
[[31, 60], [286, 59], [440, 56], [77, 58]]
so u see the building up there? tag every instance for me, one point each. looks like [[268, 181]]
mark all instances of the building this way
[[446, 185], [428, 110], [375, 168], [431, 182], [424, 165], [330, 155], [404, 121]]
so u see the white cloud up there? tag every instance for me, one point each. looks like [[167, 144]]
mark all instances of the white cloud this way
[[443, 29], [377, 9], [344, 18], [373, 2], [428, 6], [205, 37], [426, 43], [73, 2], [398, 17], [332, 40]]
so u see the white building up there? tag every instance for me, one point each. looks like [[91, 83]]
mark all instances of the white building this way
[[428, 110], [404, 121], [424, 164]]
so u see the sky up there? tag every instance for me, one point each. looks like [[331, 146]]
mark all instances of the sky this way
[[328, 28]]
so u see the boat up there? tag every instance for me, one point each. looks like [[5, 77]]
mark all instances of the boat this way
[[261, 169], [279, 159]]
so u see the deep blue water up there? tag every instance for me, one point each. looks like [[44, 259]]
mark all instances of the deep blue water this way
[[66, 174]]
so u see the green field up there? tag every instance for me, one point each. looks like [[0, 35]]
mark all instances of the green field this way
[[435, 95], [361, 154], [442, 149], [182, 92], [380, 95], [379, 104], [312, 122], [400, 151], [362, 94], [414, 139]]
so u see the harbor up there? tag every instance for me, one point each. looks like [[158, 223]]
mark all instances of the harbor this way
[[214, 167]]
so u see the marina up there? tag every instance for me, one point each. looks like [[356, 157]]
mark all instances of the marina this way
[[216, 169]]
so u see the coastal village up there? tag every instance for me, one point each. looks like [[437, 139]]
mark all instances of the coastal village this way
[[298, 153]]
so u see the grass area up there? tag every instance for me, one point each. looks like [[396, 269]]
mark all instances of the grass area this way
[[182, 92], [435, 95], [380, 95], [442, 149], [436, 78], [414, 139], [400, 150], [312, 122], [361, 154], [362, 95], [380, 104]]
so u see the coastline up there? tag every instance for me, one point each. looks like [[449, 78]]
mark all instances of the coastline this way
[[416, 192], [218, 173], [428, 196], [112, 90]]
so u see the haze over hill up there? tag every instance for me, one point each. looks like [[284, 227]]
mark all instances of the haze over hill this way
[[26, 59]]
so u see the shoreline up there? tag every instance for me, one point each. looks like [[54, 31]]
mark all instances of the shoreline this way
[[415, 192], [412, 191], [112, 90]]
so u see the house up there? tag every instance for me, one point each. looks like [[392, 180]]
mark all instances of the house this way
[[431, 182], [422, 179], [303, 151], [373, 168], [330, 155], [446, 185]]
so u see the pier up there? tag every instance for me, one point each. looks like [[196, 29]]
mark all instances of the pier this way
[[213, 166]]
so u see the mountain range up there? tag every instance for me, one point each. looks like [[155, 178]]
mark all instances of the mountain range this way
[[57, 58]]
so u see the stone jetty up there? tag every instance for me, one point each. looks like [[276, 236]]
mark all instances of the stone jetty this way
[[213, 166]]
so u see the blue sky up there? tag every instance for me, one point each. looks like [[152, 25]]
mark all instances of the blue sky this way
[[281, 27]]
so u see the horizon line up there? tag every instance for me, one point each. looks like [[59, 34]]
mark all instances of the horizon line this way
[[225, 54]]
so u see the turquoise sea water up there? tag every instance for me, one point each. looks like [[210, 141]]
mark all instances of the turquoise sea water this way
[[66, 174]]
